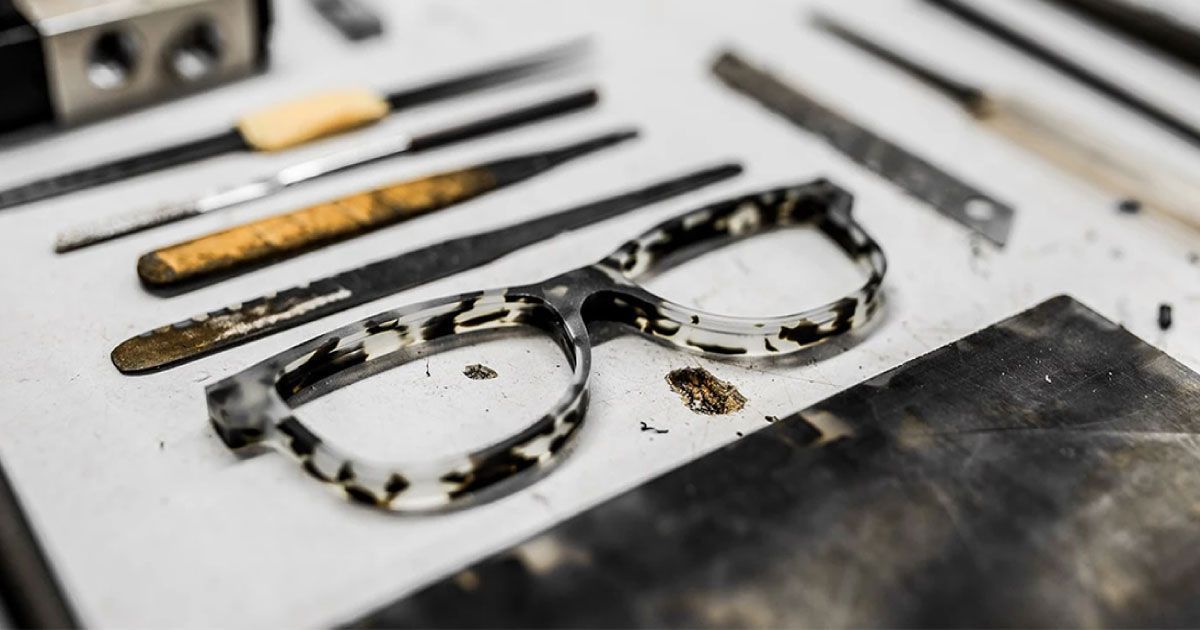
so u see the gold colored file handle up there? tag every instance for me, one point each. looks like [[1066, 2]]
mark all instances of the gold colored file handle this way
[[291, 233]]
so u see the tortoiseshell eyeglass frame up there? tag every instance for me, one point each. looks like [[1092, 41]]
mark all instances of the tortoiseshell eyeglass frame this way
[[255, 406]]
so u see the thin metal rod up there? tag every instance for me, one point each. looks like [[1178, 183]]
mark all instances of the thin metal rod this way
[[963, 93], [132, 166]]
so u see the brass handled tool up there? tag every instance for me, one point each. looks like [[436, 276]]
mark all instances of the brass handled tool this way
[[292, 233], [1069, 68], [1087, 153], [227, 327], [292, 124], [110, 228]]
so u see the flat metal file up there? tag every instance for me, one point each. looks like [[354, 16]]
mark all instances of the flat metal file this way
[[1091, 154], [1040, 473], [949, 195], [110, 228], [1069, 68], [283, 236], [294, 123], [192, 338]]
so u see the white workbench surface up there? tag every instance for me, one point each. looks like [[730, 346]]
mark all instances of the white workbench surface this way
[[151, 522]]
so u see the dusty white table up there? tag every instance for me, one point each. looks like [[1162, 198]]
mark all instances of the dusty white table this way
[[152, 522]]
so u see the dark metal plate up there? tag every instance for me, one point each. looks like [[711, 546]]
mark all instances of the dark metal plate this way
[[1040, 472]]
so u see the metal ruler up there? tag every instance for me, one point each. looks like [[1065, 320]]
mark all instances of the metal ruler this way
[[947, 194]]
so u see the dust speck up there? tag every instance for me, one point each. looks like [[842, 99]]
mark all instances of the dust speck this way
[[479, 372], [647, 427], [704, 393], [1165, 316]]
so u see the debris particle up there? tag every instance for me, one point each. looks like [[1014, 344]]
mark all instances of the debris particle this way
[[772, 419], [1164, 316], [467, 580], [479, 372], [1048, 379], [427, 374], [646, 427], [1130, 206], [704, 393], [1193, 258], [739, 433], [161, 445]]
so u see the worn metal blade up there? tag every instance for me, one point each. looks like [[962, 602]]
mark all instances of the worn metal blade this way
[[189, 339], [949, 195], [1038, 473]]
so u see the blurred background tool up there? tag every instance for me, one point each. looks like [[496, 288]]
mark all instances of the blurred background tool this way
[[1072, 69], [31, 595], [1039, 473], [1150, 28], [1090, 154], [70, 61], [192, 338], [294, 123], [262, 187], [354, 19], [949, 195], [275, 238]]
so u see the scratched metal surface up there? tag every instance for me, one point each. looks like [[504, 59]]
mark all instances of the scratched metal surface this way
[[1039, 473], [152, 522]]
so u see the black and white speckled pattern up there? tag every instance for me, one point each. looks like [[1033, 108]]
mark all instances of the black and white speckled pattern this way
[[253, 407]]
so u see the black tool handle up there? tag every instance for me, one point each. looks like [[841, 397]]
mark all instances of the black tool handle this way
[[514, 118]]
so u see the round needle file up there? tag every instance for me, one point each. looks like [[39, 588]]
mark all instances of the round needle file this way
[[1088, 153], [294, 123], [110, 228]]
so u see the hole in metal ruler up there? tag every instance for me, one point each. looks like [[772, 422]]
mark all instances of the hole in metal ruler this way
[[980, 210]]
